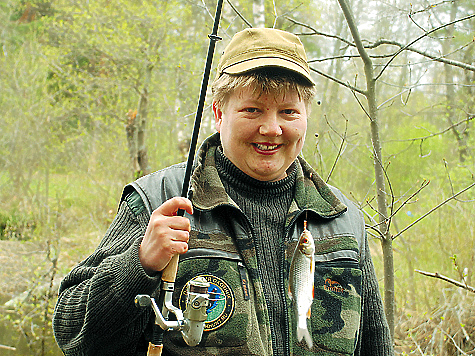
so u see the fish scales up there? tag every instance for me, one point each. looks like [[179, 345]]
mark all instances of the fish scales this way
[[301, 283]]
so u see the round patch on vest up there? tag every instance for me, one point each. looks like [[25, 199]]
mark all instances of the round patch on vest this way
[[221, 302]]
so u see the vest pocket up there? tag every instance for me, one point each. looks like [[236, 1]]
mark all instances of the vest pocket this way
[[336, 307], [231, 315]]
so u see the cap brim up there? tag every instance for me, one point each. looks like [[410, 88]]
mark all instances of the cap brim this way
[[256, 63]]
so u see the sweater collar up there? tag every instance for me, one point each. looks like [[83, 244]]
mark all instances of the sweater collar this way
[[311, 192], [240, 181]]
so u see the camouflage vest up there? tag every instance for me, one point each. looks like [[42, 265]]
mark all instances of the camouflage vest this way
[[222, 250]]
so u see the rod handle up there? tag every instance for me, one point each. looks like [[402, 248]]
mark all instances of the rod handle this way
[[154, 350], [169, 272]]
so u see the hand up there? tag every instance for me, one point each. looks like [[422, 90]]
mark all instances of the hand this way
[[167, 234]]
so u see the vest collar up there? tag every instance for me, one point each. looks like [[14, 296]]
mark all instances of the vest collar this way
[[311, 192]]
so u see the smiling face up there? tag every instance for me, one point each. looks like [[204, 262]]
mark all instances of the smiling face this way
[[262, 134]]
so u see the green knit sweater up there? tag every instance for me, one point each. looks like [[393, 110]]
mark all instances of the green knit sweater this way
[[265, 204]]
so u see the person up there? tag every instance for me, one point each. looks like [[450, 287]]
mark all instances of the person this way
[[250, 193]]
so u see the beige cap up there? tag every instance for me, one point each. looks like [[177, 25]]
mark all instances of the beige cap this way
[[255, 48]]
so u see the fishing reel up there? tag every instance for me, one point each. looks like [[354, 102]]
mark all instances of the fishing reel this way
[[191, 322]]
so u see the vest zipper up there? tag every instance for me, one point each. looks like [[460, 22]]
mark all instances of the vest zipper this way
[[244, 281], [283, 289]]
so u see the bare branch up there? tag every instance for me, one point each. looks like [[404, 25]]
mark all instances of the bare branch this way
[[347, 56], [316, 32], [419, 38], [284, 15], [361, 105], [451, 184], [453, 341], [340, 150], [430, 7], [424, 184], [375, 225], [336, 80], [390, 42], [239, 14], [387, 220], [417, 345], [378, 235], [415, 23], [434, 209], [448, 176], [439, 58], [425, 54], [447, 279], [408, 89], [470, 118], [4, 347]]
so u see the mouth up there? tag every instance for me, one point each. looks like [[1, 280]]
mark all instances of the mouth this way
[[265, 147]]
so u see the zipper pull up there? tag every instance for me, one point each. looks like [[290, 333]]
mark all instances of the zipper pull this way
[[244, 281]]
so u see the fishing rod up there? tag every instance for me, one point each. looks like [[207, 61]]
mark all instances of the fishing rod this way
[[191, 322]]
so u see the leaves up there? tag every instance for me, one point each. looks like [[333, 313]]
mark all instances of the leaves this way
[[70, 73]]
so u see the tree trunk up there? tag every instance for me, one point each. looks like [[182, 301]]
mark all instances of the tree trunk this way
[[136, 129], [142, 110], [386, 239], [131, 133], [259, 11]]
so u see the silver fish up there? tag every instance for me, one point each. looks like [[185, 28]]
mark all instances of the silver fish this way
[[301, 279]]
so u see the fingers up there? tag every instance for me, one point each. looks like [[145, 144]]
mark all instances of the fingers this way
[[167, 234], [171, 206]]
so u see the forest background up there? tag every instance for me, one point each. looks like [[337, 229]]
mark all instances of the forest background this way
[[95, 93]]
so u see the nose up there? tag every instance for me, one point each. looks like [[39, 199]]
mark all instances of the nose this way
[[270, 126]]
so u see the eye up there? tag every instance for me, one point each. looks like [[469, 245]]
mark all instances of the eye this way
[[289, 111], [251, 110]]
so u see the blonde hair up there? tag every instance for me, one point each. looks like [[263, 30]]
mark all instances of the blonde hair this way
[[263, 81]]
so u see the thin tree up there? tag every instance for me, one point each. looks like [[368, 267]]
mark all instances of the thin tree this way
[[372, 113]]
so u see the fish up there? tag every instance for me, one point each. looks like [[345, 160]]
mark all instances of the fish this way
[[301, 283]]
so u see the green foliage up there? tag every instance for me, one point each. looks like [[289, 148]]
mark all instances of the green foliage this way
[[15, 227], [71, 71]]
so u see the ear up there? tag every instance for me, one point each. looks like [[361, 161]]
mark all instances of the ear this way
[[218, 116]]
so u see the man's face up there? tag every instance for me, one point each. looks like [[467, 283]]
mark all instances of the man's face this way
[[262, 134]]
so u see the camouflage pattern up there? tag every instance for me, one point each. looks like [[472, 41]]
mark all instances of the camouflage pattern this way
[[221, 245], [336, 308]]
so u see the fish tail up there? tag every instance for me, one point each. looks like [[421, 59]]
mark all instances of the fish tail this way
[[302, 333]]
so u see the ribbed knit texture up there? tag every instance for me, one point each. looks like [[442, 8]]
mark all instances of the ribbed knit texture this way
[[265, 204], [112, 276]]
